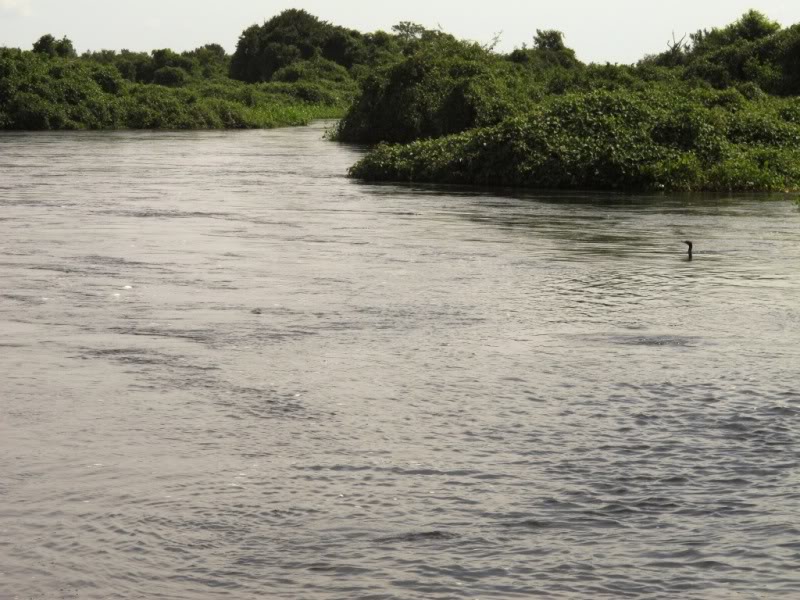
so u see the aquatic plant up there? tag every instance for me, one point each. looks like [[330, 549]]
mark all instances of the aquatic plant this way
[[716, 113], [656, 139]]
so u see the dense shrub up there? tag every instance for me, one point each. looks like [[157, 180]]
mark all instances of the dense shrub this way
[[39, 92], [209, 61], [444, 86], [698, 117], [312, 71], [752, 50], [548, 52], [608, 140], [43, 91], [108, 78], [170, 76]]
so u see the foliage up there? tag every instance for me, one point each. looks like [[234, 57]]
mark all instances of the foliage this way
[[408, 31], [753, 50], [549, 51], [205, 62], [655, 139], [705, 115], [443, 86], [50, 46], [39, 90], [295, 35], [170, 76]]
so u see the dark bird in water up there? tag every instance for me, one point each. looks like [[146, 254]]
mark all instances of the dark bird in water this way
[[688, 243]]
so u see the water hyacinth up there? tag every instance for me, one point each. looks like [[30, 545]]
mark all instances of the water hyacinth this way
[[656, 140]]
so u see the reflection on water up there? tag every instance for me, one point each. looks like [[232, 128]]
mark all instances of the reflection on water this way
[[230, 372]]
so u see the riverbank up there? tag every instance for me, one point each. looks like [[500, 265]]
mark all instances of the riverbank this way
[[718, 113]]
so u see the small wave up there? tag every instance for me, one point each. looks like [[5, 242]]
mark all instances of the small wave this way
[[419, 536]]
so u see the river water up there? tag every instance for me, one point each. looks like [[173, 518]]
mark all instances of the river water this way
[[227, 371]]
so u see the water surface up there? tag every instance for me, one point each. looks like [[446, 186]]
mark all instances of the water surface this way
[[226, 371]]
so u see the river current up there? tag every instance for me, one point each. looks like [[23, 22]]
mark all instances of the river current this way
[[227, 371]]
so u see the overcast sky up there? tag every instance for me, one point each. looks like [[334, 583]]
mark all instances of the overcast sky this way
[[603, 30]]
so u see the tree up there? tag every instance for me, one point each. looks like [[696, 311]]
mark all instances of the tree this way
[[408, 31], [212, 59], [65, 49], [52, 47], [45, 45], [753, 26], [295, 35], [549, 39], [290, 36], [549, 51]]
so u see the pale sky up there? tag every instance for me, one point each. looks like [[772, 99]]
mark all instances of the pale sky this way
[[606, 30]]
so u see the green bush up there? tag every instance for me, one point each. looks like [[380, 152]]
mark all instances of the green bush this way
[[314, 70], [753, 50], [444, 86], [43, 92], [170, 77], [548, 52], [106, 90], [109, 79], [606, 140]]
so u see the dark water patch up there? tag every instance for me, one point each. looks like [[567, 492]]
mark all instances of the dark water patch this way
[[67, 269], [674, 341], [419, 536], [534, 525], [205, 336], [165, 214], [143, 357], [113, 261], [261, 403], [178, 372], [22, 298], [269, 334]]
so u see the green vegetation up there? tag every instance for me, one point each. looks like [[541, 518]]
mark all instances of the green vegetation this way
[[717, 112], [51, 87], [295, 36], [441, 86], [753, 50], [43, 92], [651, 139]]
